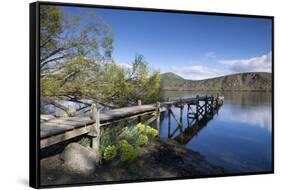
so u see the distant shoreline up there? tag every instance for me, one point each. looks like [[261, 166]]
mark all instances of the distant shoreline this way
[[182, 90], [227, 75], [243, 82]]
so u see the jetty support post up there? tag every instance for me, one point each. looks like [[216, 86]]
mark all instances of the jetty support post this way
[[187, 113], [197, 107], [169, 120], [206, 106], [212, 105], [158, 113], [139, 117], [181, 120], [95, 129], [71, 111], [217, 101]]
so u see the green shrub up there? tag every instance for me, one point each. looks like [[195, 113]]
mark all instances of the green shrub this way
[[122, 143], [140, 127], [128, 152], [151, 132], [142, 140], [125, 143], [109, 152], [146, 130]]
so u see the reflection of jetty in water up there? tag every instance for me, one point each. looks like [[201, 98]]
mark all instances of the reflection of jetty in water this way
[[198, 115]]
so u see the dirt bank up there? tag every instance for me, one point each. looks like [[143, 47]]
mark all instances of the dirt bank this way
[[161, 159]]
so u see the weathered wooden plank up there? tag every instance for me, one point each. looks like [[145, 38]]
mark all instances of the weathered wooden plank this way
[[124, 112], [74, 123], [46, 117], [63, 136], [127, 118], [49, 130]]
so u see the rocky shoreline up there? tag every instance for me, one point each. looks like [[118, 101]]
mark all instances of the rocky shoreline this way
[[162, 158]]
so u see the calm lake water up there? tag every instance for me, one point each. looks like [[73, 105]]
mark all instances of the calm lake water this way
[[238, 137]]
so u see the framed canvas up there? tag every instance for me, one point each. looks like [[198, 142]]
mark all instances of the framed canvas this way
[[121, 94]]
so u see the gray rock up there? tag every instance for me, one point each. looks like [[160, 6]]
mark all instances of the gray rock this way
[[79, 159]]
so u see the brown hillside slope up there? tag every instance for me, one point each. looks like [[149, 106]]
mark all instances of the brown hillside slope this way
[[255, 81]]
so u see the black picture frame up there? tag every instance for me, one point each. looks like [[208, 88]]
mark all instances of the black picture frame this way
[[34, 90]]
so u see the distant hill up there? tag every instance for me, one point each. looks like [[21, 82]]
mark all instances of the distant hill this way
[[255, 81]]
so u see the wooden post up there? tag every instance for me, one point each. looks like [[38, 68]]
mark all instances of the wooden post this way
[[181, 112], [206, 105], [212, 105], [216, 103], [71, 111], [187, 113], [169, 121], [197, 106], [158, 116], [95, 129], [139, 117]]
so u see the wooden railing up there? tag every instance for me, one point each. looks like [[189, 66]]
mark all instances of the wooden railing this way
[[56, 130]]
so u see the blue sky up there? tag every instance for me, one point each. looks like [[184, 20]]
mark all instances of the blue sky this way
[[193, 46]]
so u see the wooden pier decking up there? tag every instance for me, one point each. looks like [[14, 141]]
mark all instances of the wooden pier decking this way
[[56, 130]]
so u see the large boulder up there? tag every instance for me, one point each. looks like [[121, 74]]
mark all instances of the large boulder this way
[[79, 159]]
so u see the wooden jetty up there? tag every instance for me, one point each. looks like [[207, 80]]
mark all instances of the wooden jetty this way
[[56, 130], [195, 125]]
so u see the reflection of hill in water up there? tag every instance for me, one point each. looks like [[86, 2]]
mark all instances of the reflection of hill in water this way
[[248, 98], [257, 116]]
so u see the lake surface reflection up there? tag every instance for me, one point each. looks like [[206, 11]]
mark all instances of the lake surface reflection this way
[[238, 137]]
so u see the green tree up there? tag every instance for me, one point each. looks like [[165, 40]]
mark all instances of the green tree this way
[[125, 86], [65, 36], [76, 62]]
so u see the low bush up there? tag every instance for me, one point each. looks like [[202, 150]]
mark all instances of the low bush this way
[[127, 143], [142, 140], [109, 152], [151, 132]]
